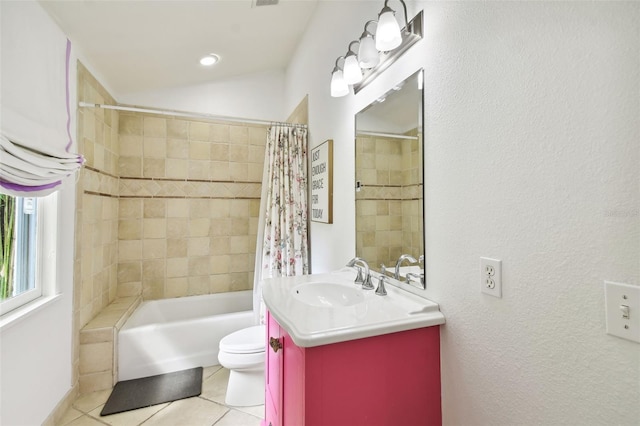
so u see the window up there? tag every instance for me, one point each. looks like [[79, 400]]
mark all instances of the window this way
[[22, 250]]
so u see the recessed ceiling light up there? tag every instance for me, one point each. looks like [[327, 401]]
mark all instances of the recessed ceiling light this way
[[209, 59]]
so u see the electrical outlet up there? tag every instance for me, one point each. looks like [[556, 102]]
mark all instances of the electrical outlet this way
[[491, 276]]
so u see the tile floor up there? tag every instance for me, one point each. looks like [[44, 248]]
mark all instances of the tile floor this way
[[207, 409]]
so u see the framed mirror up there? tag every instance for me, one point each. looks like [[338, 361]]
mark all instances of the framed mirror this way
[[389, 179]]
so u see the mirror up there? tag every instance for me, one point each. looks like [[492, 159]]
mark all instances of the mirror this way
[[389, 178]]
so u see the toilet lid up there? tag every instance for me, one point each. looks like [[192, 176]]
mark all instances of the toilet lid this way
[[245, 341]]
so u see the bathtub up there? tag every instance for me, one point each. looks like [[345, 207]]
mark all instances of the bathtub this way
[[175, 334]]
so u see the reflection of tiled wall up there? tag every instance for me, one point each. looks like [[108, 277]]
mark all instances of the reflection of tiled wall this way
[[96, 245], [189, 202], [389, 206]]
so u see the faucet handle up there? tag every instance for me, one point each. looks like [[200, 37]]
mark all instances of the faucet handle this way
[[367, 285], [417, 277], [381, 291], [359, 280]]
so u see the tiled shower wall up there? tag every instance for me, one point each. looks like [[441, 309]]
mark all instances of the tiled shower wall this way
[[166, 207], [96, 240], [389, 205], [189, 202]]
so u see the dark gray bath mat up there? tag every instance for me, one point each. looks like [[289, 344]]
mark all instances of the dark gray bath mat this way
[[139, 393]]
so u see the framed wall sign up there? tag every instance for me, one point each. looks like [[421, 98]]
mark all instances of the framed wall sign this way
[[322, 182]]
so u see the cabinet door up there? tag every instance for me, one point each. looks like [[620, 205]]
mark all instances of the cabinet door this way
[[273, 371], [294, 382]]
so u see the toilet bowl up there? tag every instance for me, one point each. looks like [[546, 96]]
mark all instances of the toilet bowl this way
[[243, 354]]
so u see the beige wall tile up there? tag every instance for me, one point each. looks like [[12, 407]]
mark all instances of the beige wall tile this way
[[176, 247], [239, 135], [130, 166], [177, 169], [153, 167], [131, 145], [199, 266], [199, 227], [129, 272], [129, 229], [178, 148], [219, 152], [155, 147], [177, 287], [220, 133], [198, 131], [155, 127], [155, 208], [220, 264], [130, 125], [177, 129], [199, 150], [154, 249], [96, 357], [177, 267], [95, 382], [198, 246], [177, 228]]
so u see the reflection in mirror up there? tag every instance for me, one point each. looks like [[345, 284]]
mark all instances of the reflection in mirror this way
[[389, 178]]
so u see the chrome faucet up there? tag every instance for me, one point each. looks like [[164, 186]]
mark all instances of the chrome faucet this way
[[401, 259], [417, 277], [366, 281], [381, 291]]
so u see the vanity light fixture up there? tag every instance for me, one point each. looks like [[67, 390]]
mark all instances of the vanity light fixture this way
[[352, 70], [339, 86], [388, 35], [375, 52], [209, 59], [368, 55]]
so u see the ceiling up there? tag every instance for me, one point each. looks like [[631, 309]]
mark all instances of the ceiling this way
[[146, 45]]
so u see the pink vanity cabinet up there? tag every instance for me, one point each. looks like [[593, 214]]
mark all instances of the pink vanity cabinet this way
[[387, 380]]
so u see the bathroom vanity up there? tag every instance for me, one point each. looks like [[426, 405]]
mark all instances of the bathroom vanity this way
[[340, 355]]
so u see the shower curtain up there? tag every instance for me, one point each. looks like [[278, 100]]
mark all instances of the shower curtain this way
[[282, 247]]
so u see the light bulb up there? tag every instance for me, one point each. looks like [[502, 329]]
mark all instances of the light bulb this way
[[339, 87], [388, 35], [352, 71], [368, 56]]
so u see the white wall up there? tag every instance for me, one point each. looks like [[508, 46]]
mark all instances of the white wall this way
[[255, 96], [532, 157], [36, 351]]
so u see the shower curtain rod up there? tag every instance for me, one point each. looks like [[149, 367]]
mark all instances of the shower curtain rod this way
[[186, 114], [388, 135]]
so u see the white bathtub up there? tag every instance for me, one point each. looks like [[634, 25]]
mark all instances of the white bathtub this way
[[175, 334]]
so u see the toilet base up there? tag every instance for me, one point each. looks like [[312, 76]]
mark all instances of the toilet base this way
[[245, 388]]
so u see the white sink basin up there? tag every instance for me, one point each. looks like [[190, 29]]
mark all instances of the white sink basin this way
[[328, 308], [330, 295]]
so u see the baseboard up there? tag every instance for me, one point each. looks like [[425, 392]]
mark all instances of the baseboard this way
[[62, 407]]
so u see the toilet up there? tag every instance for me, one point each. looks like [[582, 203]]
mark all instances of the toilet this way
[[243, 354]]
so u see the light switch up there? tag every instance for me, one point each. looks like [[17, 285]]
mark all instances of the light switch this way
[[622, 302]]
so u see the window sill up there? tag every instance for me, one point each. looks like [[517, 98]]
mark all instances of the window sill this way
[[11, 318]]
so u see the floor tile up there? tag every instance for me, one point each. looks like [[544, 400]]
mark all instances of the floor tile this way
[[256, 410], [191, 411], [70, 416], [128, 418], [208, 371], [238, 418], [85, 420], [215, 387], [91, 400]]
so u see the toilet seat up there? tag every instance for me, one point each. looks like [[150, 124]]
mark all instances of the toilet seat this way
[[250, 340]]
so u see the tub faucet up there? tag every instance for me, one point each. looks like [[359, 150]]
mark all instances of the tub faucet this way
[[401, 259], [366, 281]]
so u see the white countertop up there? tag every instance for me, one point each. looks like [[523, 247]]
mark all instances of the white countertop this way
[[311, 326]]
